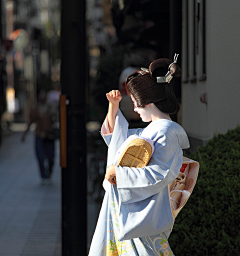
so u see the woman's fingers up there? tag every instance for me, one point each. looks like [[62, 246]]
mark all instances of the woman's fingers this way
[[112, 181], [114, 96], [108, 96], [110, 174], [114, 93], [118, 95]]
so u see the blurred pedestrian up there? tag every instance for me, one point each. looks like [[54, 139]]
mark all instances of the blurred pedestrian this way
[[42, 115], [53, 98]]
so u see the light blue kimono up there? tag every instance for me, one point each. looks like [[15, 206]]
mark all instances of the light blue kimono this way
[[136, 217]]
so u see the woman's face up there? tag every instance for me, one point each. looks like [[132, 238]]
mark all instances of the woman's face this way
[[143, 112]]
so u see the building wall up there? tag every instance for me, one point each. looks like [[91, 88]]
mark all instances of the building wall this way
[[222, 83]]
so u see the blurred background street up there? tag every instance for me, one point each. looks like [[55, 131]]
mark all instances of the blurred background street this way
[[30, 213]]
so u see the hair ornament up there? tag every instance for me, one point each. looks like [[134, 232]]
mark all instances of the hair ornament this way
[[174, 60], [143, 71], [168, 77]]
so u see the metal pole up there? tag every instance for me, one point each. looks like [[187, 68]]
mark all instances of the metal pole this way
[[175, 10], [2, 98], [73, 82]]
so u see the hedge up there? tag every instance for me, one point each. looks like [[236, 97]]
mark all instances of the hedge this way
[[209, 223]]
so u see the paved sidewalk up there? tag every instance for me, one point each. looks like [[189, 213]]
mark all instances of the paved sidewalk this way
[[30, 213]]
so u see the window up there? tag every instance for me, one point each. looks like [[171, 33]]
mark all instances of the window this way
[[185, 44], [194, 40], [202, 39]]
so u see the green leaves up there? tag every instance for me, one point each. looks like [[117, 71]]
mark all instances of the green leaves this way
[[163, 241], [209, 224]]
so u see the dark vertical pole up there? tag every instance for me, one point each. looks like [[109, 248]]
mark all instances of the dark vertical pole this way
[[176, 41], [175, 27], [73, 81], [1, 83], [1, 23]]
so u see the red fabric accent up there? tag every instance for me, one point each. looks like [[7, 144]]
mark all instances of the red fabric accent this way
[[123, 89], [183, 168]]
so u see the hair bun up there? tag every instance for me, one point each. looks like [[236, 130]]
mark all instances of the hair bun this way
[[160, 67]]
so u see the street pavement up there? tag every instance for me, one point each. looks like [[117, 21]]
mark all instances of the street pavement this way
[[30, 213]]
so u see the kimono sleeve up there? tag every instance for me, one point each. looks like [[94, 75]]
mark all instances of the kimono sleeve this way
[[120, 134], [137, 184], [120, 128]]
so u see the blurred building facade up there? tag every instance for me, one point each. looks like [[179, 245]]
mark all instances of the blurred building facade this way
[[32, 61], [143, 24], [210, 63], [101, 35], [137, 33]]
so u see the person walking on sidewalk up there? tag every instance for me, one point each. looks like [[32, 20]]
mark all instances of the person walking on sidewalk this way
[[44, 136]]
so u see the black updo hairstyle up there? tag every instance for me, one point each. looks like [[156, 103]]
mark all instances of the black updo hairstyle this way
[[143, 86]]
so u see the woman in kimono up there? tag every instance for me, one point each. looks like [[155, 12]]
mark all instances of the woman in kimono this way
[[136, 217]]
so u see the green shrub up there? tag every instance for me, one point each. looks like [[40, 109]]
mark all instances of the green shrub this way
[[209, 223]]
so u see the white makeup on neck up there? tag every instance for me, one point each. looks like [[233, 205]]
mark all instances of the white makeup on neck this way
[[150, 112]]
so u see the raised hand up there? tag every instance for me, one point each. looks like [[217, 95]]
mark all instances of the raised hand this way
[[114, 96]]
